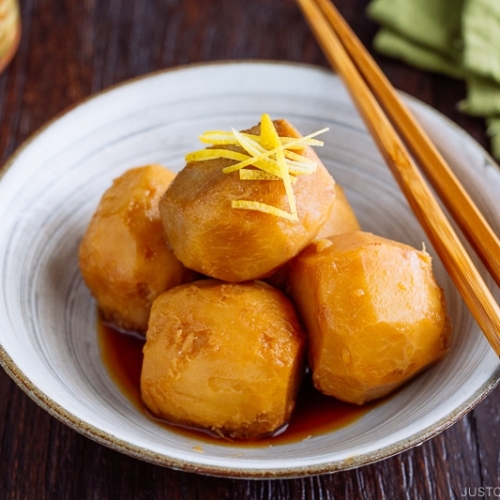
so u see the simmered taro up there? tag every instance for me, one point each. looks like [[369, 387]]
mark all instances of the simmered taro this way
[[123, 256], [374, 314], [226, 357]]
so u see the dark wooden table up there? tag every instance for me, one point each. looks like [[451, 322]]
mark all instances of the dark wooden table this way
[[73, 48]]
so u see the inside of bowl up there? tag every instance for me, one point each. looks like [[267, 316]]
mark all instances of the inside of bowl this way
[[53, 185]]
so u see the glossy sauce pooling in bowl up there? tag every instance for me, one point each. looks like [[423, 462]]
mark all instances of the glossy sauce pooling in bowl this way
[[315, 414]]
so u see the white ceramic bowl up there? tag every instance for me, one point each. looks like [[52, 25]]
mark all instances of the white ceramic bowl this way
[[50, 188]]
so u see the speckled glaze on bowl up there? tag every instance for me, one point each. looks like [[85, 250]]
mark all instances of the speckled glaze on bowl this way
[[51, 186]]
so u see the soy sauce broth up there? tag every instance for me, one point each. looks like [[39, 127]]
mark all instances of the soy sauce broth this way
[[314, 414]]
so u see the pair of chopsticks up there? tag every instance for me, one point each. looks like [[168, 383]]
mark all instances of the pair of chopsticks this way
[[384, 112]]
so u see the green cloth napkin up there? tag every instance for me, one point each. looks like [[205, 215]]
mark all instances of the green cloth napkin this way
[[460, 38]]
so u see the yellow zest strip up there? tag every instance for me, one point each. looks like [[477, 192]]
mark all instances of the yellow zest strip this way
[[296, 168], [259, 175], [221, 137], [298, 141], [261, 207], [217, 138], [289, 142], [211, 154], [258, 159], [270, 157], [300, 159], [301, 166], [270, 134]]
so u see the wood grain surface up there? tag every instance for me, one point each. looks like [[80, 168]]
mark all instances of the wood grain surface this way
[[73, 48]]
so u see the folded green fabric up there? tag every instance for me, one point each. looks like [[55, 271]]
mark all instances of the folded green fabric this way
[[395, 45], [460, 38], [481, 34], [493, 131]]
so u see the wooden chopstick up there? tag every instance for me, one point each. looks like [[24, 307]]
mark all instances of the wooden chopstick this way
[[426, 208], [456, 199]]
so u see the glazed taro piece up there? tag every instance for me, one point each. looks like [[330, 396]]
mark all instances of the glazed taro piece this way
[[374, 314], [226, 357], [342, 218], [123, 256], [209, 217]]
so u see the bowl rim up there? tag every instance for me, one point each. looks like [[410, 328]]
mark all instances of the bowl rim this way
[[106, 439]]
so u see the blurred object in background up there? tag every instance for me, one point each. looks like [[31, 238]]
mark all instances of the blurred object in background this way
[[10, 31], [459, 38]]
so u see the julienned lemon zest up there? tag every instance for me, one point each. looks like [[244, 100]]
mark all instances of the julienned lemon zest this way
[[257, 158], [266, 154], [271, 137], [258, 175], [261, 207], [211, 154], [270, 155], [299, 159], [221, 137], [297, 164]]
